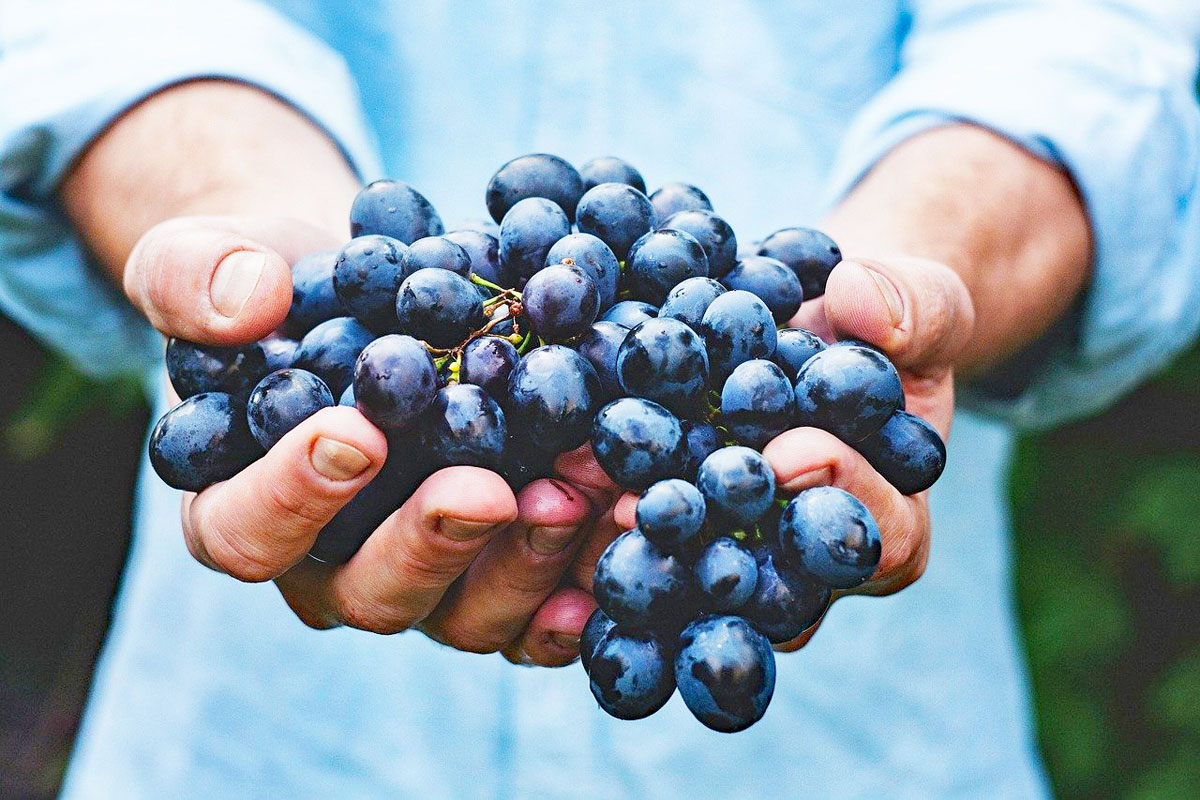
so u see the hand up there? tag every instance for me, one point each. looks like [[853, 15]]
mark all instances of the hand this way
[[478, 570]]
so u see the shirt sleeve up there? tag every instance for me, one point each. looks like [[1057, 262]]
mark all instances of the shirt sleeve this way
[[68, 69], [1108, 91]]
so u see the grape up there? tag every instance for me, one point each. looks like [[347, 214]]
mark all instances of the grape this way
[[828, 534], [330, 349], [347, 398], [771, 281], [783, 605], [688, 301], [726, 575], [599, 345], [811, 255], [793, 347], [313, 297], [553, 394], [672, 198], [202, 441], [283, 400], [366, 277], [528, 231], [737, 483], [465, 426], [630, 313], [524, 462], [438, 305], [475, 225], [631, 675], [617, 214], [907, 451], [395, 209], [483, 250], [537, 175], [726, 672], [610, 169], [637, 442], [848, 390], [278, 352], [713, 233], [597, 626], [736, 327], [592, 256], [700, 441], [561, 302], [671, 514], [436, 252], [394, 380], [660, 260], [757, 403], [639, 586], [665, 361], [488, 362], [199, 368]]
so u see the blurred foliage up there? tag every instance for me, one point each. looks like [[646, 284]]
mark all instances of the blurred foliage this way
[[1107, 519]]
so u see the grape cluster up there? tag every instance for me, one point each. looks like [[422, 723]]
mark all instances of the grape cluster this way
[[586, 310]]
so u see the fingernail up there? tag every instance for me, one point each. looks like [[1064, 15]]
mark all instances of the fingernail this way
[[546, 541], [890, 295], [566, 641], [463, 530], [235, 279], [807, 480], [338, 461]]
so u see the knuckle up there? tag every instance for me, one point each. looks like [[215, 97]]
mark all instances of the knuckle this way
[[372, 618], [467, 640], [240, 562], [286, 499]]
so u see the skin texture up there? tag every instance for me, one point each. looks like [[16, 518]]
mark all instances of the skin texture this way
[[960, 248]]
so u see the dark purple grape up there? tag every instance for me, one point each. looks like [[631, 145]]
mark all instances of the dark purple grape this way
[[438, 306], [907, 451], [483, 249], [670, 514], [313, 297], [771, 281], [395, 209], [610, 169], [827, 534], [630, 313], [330, 350], [487, 362], [592, 256], [561, 302], [476, 225], [637, 442], [725, 671], [552, 395], [597, 626], [736, 327], [617, 214], [278, 352], [672, 198], [202, 441], [527, 233], [347, 398], [631, 674], [524, 462], [688, 301], [199, 368], [700, 441], [599, 345], [757, 403], [726, 575], [537, 175], [283, 400], [713, 233], [665, 361], [465, 426], [366, 277], [784, 604], [436, 252], [848, 390], [793, 347], [738, 485], [660, 260], [394, 380], [640, 587], [811, 255]]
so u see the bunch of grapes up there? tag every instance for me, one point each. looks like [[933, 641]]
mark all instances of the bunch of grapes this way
[[587, 311]]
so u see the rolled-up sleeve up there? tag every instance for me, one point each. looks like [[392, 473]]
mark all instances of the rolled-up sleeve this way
[[1107, 90], [68, 69]]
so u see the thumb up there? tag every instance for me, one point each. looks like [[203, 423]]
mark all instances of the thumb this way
[[218, 280], [917, 311]]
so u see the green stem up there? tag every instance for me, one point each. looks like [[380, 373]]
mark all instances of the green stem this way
[[493, 286]]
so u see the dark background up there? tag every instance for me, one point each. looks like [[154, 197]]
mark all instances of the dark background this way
[[1108, 574]]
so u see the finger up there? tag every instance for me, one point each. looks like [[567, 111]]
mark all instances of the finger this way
[[811, 317], [793, 645], [552, 638], [579, 466], [218, 280], [601, 535], [515, 573], [259, 523], [807, 457], [625, 511], [405, 567]]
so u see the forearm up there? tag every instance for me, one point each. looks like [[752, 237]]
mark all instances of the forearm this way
[[206, 147], [1009, 224]]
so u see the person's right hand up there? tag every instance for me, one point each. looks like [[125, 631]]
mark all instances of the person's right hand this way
[[463, 559]]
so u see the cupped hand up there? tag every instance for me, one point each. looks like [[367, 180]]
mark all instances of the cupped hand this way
[[463, 559]]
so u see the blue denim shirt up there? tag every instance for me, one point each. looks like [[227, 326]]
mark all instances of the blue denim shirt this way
[[210, 688]]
